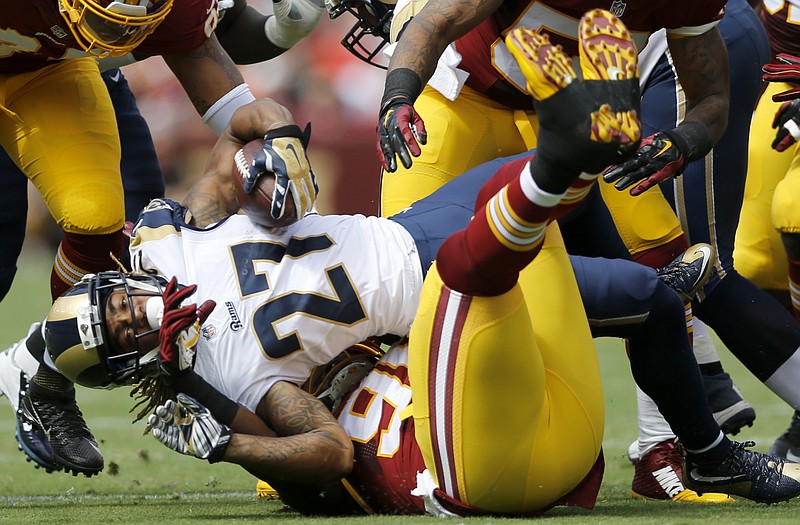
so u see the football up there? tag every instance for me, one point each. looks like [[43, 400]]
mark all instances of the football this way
[[258, 202]]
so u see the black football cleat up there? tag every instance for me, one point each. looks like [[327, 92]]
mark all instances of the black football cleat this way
[[758, 477], [58, 416], [787, 446], [690, 270], [31, 438], [731, 411]]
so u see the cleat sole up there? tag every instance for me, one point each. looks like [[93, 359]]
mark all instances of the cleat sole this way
[[606, 49], [546, 67]]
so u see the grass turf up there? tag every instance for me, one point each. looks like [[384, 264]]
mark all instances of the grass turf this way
[[144, 482]]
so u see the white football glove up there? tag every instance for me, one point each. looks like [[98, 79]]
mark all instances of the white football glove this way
[[189, 428], [293, 21]]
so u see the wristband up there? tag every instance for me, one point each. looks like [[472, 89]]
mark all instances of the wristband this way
[[401, 85], [692, 139], [219, 114], [221, 407]]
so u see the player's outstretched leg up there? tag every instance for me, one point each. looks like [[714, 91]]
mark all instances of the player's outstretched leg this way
[[584, 126]]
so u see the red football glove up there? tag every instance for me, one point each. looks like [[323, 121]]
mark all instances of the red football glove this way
[[787, 122], [659, 157], [786, 70], [400, 132], [179, 329]]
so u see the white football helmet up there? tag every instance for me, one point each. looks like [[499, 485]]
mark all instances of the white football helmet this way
[[77, 338]]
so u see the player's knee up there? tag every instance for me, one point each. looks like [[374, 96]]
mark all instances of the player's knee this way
[[667, 312], [91, 213], [785, 212]]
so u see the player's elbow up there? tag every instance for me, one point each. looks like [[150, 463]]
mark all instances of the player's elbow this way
[[338, 458]]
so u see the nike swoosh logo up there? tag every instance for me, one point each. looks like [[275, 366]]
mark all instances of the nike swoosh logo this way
[[114, 77], [667, 145], [790, 456], [707, 259], [696, 476], [290, 147]]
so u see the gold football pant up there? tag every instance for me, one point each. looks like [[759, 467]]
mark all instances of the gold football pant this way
[[770, 203], [58, 126], [474, 129], [504, 385]]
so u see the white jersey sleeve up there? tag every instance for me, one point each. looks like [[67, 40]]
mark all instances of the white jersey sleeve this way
[[287, 299]]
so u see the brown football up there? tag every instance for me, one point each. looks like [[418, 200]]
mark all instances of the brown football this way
[[258, 202]]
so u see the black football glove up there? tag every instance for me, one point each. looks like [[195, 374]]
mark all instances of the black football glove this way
[[189, 428], [660, 156], [787, 122], [785, 70], [180, 330], [284, 154], [400, 132]]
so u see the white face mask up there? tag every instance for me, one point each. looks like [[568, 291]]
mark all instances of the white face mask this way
[[154, 308]]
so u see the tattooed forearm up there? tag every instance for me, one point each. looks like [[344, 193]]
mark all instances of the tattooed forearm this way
[[313, 447], [293, 411], [702, 66], [205, 208], [438, 24]]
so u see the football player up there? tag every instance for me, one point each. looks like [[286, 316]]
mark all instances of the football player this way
[[486, 324], [77, 156]]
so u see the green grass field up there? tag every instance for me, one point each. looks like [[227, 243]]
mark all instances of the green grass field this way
[[144, 482]]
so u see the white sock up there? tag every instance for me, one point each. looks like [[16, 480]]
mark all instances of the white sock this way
[[653, 428]]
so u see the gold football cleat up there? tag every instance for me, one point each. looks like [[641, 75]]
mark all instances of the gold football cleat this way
[[546, 67]]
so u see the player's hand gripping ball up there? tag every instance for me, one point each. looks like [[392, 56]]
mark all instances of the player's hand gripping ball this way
[[257, 203], [274, 182]]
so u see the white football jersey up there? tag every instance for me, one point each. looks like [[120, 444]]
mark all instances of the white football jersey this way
[[287, 299]]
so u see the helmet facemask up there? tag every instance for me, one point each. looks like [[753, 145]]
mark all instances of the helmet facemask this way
[[115, 29], [374, 19], [77, 336]]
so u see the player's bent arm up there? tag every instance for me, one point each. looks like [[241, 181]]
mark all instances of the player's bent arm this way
[[206, 73], [312, 447], [438, 24], [213, 197], [702, 66]]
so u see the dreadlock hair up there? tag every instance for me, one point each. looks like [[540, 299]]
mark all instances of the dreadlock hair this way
[[149, 393]]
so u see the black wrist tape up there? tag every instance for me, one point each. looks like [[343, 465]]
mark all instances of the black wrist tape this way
[[692, 139], [221, 407], [401, 85]]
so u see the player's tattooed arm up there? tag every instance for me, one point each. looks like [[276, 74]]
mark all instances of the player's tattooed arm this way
[[438, 24], [206, 73], [312, 447], [702, 66], [213, 197]]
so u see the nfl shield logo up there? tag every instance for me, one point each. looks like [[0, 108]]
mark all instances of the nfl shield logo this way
[[617, 8]]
